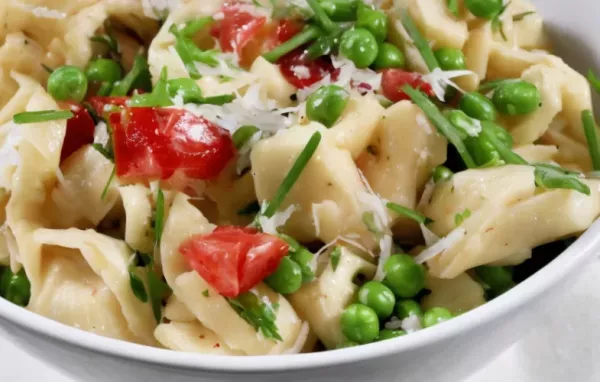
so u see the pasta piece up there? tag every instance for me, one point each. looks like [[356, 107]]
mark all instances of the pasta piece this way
[[109, 259], [472, 189], [357, 124], [275, 86], [458, 295], [495, 232], [322, 301], [77, 199], [175, 310], [333, 181], [477, 52], [231, 193], [80, 28], [537, 153], [571, 153], [529, 31], [407, 148], [549, 82], [191, 337], [139, 234], [212, 310], [437, 24], [75, 295], [39, 156]]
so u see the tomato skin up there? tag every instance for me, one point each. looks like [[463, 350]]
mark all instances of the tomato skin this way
[[151, 143], [316, 69], [236, 28], [234, 260], [80, 130], [393, 79]]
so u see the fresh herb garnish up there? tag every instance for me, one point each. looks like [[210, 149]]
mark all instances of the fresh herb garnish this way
[[47, 68], [420, 42], [335, 257], [591, 135], [158, 290], [159, 97], [453, 7], [108, 183], [324, 45], [159, 216], [522, 15], [194, 26], [492, 85], [498, 24], [216, 100], [41, 116], [441, 123], [293, 175], [409, 213], [321, 17], [460, 217], [309, 34], [137, 285], [205, 293], [105, 153], [138, 76], [189, 52], [594, 81], [258, 314]]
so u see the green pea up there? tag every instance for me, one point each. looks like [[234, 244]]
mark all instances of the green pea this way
[[187, 88], [67, 83], [373, 20], [340, 10], [104, 70], [435, 315], [465, 124], [500, 133], [478, 106], [360, 323], [347, 344], [287, 278], [327, 104], [451, 59], [360, 46], [407, 308], [242, 135], [15, 288], [517, 98], [378, 297], [387, 334], [303, 257], [497, 279], [442, 174], [389, 56], [486, 9], [403, 276]]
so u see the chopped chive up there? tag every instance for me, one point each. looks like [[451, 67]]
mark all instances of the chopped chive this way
[[107, 40], [321, 16], [550, 176], [243, 135], [41, 116], [216, 100], [159, 97], [505, 151], [108, 183], [409, 213], [335, 257], [293, 175], [47, 68], [420, 42], [594, 81], [137, 285], [194, 26], [453, 7], [521, 16], [205, 293], [184, 53], [105, 89], [139, 74], [160, 215], [158, 290], [460, 217], [441, 123], [105, 153], [309, 34], [591, 135]]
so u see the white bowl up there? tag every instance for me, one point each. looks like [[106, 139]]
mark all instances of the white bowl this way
[[447, 352]]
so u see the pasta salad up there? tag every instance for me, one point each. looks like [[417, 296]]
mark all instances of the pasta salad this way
[[262, 177]]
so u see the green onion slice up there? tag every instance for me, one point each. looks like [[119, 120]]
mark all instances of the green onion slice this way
[[293, 175], [420, 42], [41, 116], [409, 213], [309, 34], [591, 135]]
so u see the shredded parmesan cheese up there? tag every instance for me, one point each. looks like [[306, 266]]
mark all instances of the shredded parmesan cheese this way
[[270, 225], [101, 133], [41, 11], [440, 80], [411, 324], [441, 245], [316, 220]]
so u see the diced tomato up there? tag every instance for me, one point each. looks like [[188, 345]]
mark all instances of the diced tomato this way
[[234, 259], [282, 31], [80, 130], [236, 28], [152, 143], [99, 103], [301, 72], [393, 79]]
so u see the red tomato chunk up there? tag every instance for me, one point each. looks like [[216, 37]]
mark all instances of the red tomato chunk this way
[[154, 143], [234, 259], [80, 131], [301, 72], [393, 79]]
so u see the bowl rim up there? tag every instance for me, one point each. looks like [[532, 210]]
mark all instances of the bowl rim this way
[[582, 250]]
